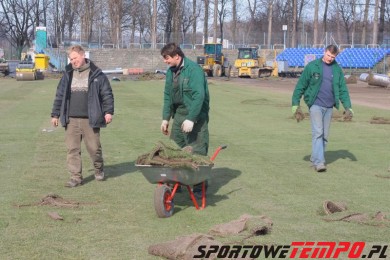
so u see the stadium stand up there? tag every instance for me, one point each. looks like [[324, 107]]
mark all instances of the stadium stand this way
[[348, 58]]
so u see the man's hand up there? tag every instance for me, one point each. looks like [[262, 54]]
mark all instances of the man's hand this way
[[108, 118], [294, 109], [164, 127], [298, 114], [187, 126], [348, 114], [54, 121]]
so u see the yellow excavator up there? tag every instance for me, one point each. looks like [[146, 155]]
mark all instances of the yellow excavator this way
[[249, 64], [213, 61]]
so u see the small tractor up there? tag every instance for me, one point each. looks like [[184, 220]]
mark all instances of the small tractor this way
[[213, 62], [249, 64]]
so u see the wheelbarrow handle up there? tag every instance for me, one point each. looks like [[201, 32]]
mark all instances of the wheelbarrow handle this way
[[217, 151]]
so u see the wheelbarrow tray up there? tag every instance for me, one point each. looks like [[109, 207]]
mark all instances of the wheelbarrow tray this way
[[172, 175]]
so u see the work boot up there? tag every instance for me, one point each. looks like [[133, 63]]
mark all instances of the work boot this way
[[99, 175], [74, 183], [320, 168]]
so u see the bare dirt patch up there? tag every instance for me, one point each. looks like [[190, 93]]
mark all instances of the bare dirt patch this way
[[361, 93]]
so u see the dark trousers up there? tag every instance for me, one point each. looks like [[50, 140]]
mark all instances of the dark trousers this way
[[198, 138]]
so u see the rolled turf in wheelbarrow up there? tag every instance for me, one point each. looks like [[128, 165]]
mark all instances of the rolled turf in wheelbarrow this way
[[169, 167], [169, 154]]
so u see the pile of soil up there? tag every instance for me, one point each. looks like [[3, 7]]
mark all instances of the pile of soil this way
[[379, 120]]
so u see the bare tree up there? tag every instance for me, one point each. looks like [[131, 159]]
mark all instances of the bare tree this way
[[154, 24], [252, 8], [270, 16], [19, 21], [215, 23], [206, 21], [315, 28], [381, 28], [194, 7], [365, 21], [325, 16], [87, 18], [234, 22], [115, 8], [187, 19], [166, 19], [353, 22], [375, 25], [222, 13], [71, 19], [294, 24], [345, 9]]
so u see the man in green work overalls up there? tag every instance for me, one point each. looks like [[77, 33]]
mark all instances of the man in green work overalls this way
[[186, 100]]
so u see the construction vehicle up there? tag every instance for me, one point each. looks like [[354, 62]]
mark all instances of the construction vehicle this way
[[249, 64], [26, 69], [4, 67], [213, 62]]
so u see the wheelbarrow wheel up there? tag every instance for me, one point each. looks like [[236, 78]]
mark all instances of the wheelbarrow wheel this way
[[163, 203]]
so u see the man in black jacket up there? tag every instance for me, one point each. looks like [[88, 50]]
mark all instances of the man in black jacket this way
[[84, 103]]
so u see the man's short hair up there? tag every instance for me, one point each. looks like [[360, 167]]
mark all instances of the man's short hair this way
[[76, 48], [171, 49], [332, 49]]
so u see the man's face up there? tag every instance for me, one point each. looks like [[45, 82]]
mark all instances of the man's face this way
[[76, 59], [328, 57], [172, 61]]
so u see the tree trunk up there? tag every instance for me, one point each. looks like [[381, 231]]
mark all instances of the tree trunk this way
[[353, 3], [206, 21], [234, 25], [325, 16], [315, 26], [154, 25], [338, 26], [294, 25], [215, 26], [177, 22], [375, 26], [270, 13], [365, 21], [193, 38], [381, 28]]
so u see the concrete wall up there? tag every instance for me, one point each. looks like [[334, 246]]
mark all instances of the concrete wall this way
[[148, 59]]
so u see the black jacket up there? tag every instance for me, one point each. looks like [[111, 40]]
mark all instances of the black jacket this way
[[100, 97]]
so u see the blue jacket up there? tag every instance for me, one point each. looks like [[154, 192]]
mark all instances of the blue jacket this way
[[100, 97]]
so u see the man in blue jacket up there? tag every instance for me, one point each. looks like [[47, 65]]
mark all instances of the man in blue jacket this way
[[186, 100], [323, 86], [83, 103]]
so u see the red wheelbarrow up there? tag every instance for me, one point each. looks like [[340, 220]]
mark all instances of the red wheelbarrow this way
[[169, 179]]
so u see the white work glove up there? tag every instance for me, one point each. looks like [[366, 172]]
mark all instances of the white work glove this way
[[164, 127], [187, 126]]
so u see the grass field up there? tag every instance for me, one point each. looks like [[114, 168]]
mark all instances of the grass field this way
[[264, 171]]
